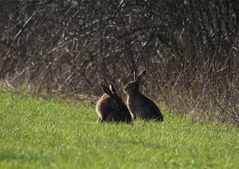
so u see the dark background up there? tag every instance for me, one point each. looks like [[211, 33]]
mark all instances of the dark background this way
[[189, 49]]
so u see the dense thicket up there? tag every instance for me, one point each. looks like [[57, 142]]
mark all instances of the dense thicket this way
[[189, 49]]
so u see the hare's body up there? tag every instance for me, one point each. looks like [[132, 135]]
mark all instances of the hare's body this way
[[142, 107], [104, 107], [139, 105], [111, 108]]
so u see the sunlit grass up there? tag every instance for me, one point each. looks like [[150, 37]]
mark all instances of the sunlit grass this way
[[38, 133]]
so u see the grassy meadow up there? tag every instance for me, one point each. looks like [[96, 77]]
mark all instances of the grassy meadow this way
[[45, 133]]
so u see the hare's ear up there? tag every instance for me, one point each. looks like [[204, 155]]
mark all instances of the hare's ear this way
[[106, 89], [135, 74], [139, 77], [112, 89]]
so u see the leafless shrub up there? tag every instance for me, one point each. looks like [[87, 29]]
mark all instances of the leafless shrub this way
[[189, 48]]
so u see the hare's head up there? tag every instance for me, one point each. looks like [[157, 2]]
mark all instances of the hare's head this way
[[115, 99], [133, 86]]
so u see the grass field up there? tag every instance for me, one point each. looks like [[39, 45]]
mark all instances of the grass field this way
[[38, 133]]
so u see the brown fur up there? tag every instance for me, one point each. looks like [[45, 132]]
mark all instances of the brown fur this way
[[110, 107], [139, 105]]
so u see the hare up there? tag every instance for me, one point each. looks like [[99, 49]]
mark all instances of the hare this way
[[139, 105], [111, 108]]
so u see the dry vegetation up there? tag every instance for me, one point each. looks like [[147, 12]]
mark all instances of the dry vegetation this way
[[189, 49]]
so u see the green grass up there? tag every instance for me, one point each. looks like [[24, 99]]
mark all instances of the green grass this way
[[38, 133]]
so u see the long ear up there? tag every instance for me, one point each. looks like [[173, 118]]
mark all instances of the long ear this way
[[135, 74], [139, 77], [113, 91], [106, 89]]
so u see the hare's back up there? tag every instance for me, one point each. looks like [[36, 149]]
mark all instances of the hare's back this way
[[103, 106], [154, 109], [149, 109]]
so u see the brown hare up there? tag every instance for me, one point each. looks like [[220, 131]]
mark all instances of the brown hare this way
[[139, 105], [111, 108]]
